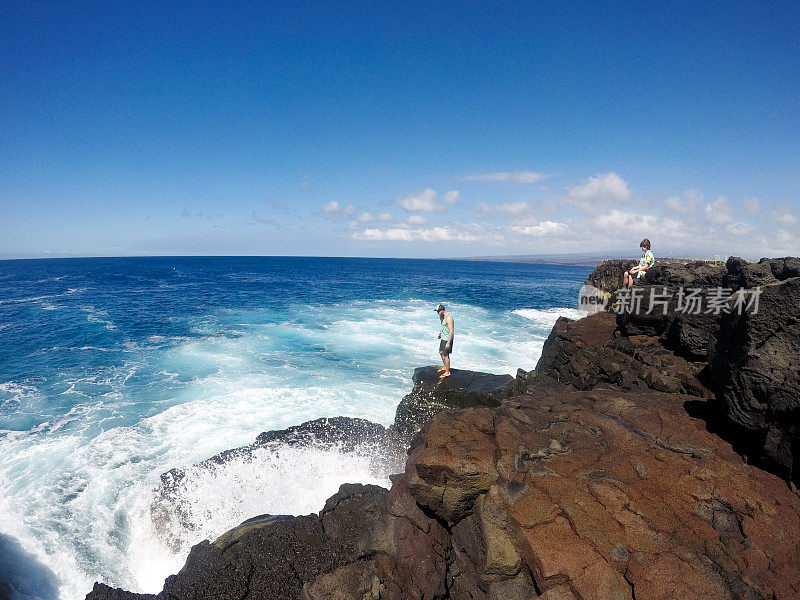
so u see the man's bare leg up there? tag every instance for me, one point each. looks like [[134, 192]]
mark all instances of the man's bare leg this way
[[446, 359], [442, 368]]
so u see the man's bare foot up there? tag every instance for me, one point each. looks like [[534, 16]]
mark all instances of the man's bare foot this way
[[443, 375], [440, 369]]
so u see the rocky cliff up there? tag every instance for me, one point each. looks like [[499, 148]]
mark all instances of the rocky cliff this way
[[750, 343], [600, 474]]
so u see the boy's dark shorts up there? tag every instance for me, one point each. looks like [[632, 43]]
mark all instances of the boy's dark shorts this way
[[443, 350]]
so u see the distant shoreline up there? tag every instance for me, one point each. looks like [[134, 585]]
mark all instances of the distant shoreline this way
[[534, 261], [577, 262]]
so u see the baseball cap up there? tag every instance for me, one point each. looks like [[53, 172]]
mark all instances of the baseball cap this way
[[440, 307]]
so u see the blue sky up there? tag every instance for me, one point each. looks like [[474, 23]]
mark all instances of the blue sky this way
[[399, 129]]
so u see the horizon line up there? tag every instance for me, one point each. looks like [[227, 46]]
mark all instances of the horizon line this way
[[543, 258]]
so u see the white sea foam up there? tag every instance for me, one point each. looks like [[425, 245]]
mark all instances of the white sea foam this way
[[34, 299], [98, 316], [11, 391], [30, 299], [547, 317], [274, 480], [98, 491]]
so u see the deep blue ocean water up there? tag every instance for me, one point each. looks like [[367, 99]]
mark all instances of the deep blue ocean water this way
[[113, 371]]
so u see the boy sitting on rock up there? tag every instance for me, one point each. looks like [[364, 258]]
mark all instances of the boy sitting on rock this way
[[645, 263]]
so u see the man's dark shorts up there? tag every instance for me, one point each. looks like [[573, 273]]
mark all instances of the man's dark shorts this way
[[443, 350]]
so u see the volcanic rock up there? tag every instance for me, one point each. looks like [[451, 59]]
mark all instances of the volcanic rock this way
[[752, 348], [744, 274], [690, 335], [585, 354], [461, 390], [104, 592], [271, 556], [698, 273], [608, 276], [757, 377], [784, 268], [575, 494]]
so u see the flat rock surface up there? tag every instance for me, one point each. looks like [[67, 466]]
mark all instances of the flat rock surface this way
[[432, 395], [595, 495], [461, 381]]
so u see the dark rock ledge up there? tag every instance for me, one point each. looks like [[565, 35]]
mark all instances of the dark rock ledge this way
[[606, 473]]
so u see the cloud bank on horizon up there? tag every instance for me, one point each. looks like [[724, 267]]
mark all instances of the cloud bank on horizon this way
[[600, 213]]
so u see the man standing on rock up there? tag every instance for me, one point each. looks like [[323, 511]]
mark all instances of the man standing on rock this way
[[446, 337]]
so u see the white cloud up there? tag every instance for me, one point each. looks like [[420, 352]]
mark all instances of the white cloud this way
[[619, 219], [543, 228], [784, 215], [645, 225], [675, 204], [692, 198], [428, 200], [256, 218], [509, 176], [398, 234], [385, 218], [718, 212], [784, 237], [514, 210], [603, 188], [751, 205], [365, 218], [451, 197], [739, 228], [424, 200], [334, 211], [686, 224]]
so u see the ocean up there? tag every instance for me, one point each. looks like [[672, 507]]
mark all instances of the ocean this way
[[116, 370]]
